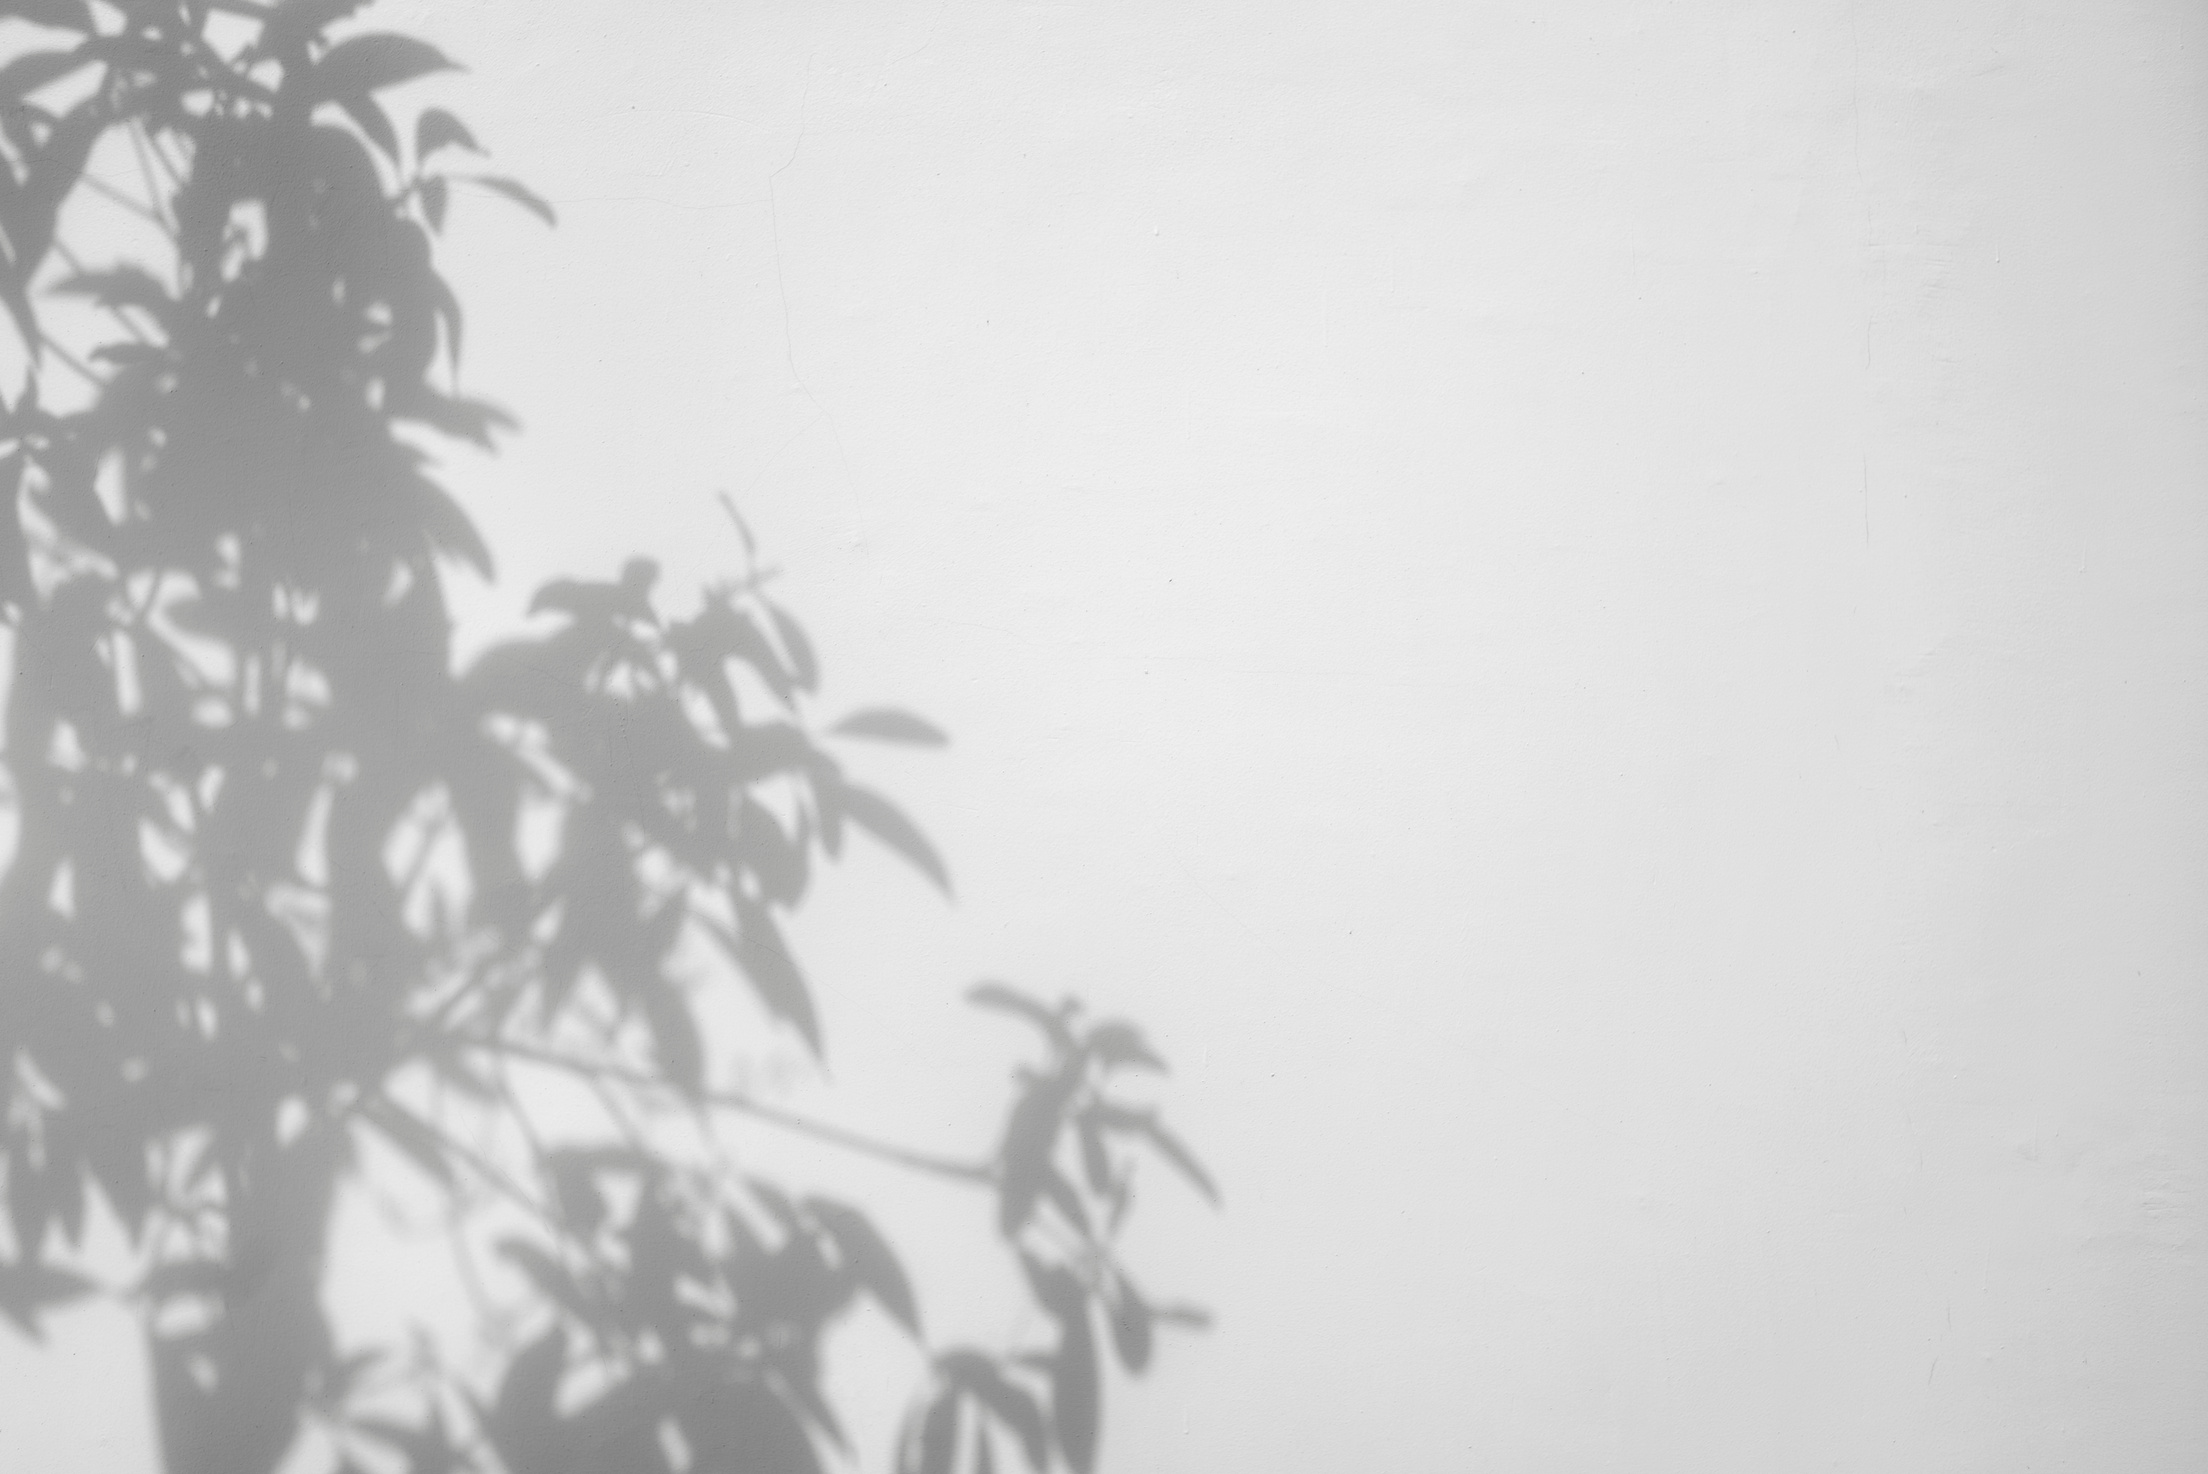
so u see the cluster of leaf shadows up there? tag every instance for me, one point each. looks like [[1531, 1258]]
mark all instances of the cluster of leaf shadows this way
[[294, 897]]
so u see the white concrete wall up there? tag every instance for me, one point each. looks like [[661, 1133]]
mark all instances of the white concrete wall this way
[[1597, 610]]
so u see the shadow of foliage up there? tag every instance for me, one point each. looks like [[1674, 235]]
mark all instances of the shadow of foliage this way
[[288, 881]]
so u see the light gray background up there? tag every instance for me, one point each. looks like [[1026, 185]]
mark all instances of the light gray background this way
[[1596, 611]]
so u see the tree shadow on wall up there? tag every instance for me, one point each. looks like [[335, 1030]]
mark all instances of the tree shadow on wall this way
[[294, 899]]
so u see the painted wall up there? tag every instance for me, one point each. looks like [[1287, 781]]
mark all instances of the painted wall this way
[[1597, 610]]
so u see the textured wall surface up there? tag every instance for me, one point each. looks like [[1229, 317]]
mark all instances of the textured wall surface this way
[[1598, 611]]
